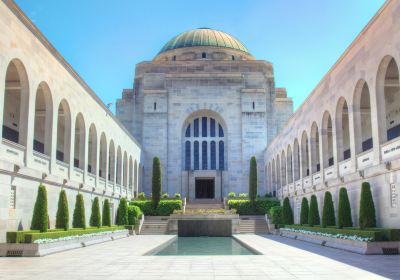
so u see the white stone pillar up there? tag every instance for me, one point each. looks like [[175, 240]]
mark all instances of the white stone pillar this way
[[352, 136], [27, 121]]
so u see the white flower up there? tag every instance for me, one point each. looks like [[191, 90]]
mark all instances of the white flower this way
[[72, 237], [338, 235]]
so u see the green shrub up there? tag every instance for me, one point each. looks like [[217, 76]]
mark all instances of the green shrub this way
[[106, 214], [276, 215], [177, 196], [95, 217], [40, 218], [18, 236], [388, 234], [167, 207], [31, 237], [253, 179], [244, 206], [134, 214], [287, 213], [146, 206], [165, 196], [156, 187], [304, 211], [367, 208], [313, 215], [243, 195], [79, 219], [231, 195], [375, 235], [328, 212], [344, 210], [141, 195], [122, 212], [62, 216], [268, 195]]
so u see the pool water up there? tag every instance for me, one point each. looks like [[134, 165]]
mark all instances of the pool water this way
[[197, 246]]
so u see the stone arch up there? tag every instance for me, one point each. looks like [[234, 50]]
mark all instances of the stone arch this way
[[342, 130], [63, 148], [111, 162], [296, 160], [283, 168], [315, 156], [103, 156], [92, 149], [119, 166], [79, 147], [327, 140], [305, 162], [289, 160]]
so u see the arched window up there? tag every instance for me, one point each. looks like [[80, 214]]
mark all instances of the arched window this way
[[119, 166], [79, 151], [213, 156], [278, 172], [15, 110], [327, 140], [200, 149], [221, 155], [204, 158], [388, 95], [233, 57], [125, 171], [187, 155], [92, 156], [362, 118], [203, 55], [342, 131], [315, 156], [43, 120], [63, 132], [196, 155], [305, 163], [103, 156]]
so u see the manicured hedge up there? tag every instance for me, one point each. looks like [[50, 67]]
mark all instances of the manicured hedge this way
[[19, 236], [134, 214], [164, 208], [156, 187], [287, 212], [388, 234], [245, 207], [31, 237], [253, 179], [62, 217], [367, 216], [40, 218], [374, 235], [276, 215]]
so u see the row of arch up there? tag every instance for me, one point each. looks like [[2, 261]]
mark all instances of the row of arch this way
[[92, 151], [351, 131]]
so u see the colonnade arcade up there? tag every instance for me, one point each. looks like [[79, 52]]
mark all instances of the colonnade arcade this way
[[363, 130], [59, 140]]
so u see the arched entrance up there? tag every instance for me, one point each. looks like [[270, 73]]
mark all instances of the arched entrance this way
[[204, 155]]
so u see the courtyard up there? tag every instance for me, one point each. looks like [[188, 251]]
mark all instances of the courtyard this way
[[123, 259]]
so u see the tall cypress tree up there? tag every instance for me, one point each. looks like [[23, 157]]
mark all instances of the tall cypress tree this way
[[79, 219], [304, 211], [367, 208], [106, 214], [62, 217], [313, 215], [156, 182], [344, 210], [287, 213], [122, 213], [95, 218], [40, 217], [328, 212], [253, 179]]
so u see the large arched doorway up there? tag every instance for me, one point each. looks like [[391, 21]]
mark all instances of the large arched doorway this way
[[204, 154]]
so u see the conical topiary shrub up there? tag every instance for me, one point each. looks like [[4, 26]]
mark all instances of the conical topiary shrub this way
[[304, 211], [106, 214], [156, 187], [287, 213], [79, 220], [253, 179], [344, 210], [62, 217], [367, 208], [95, 218], [328, 212], [122, 213], [40, 218], [313, 215]]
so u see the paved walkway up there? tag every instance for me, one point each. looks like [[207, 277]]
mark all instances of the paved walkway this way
[[122, 259]]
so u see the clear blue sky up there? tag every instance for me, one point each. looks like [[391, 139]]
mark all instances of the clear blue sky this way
[[104, 41]]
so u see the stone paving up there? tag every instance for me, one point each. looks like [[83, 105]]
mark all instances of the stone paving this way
[[122, 259]]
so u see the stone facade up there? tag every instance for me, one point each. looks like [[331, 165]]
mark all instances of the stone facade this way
[[348, 129], [223, 84], [55, 131]]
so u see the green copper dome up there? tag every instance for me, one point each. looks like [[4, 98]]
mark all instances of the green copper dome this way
[[204, 37]]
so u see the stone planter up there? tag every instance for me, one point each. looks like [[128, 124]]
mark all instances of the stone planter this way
[[39, 250], [355, 246]]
